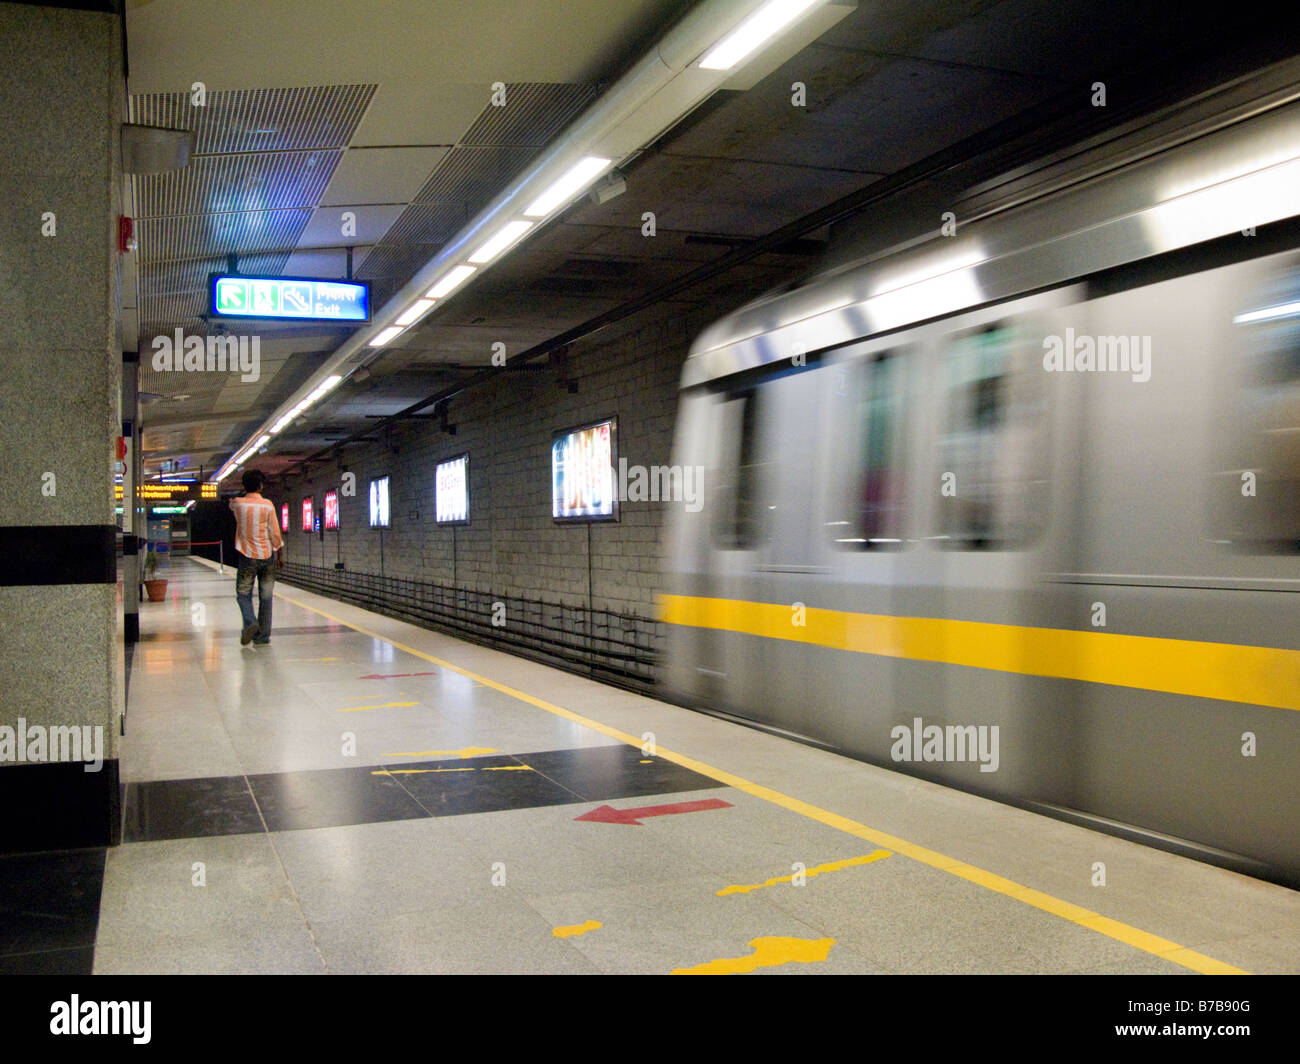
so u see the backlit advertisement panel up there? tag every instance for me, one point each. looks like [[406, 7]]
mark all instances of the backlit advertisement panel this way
[[451, 491], [306, 515], [331, 510], [379, 503], [582, 473]]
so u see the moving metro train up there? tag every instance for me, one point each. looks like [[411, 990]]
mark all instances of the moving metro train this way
[[1017, 509]]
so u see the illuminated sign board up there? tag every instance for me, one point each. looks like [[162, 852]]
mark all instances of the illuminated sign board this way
[[290, 298], [332, 509], [306, 515], [284, 518], [181, 491], [451, 491], [208, 491], [379, 503], [582, 473]]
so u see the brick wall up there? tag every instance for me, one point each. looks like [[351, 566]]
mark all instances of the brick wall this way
[[511, 546]]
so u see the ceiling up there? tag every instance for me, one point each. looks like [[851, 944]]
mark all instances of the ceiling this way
[[384, 111]]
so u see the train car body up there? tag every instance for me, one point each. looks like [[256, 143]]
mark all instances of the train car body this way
[[1017, 509]]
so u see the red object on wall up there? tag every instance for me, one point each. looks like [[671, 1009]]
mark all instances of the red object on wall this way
[[125, 234], [121, 448]]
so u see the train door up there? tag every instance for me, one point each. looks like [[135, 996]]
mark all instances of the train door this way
[[867, 528], [735, 529], [1003, 520]]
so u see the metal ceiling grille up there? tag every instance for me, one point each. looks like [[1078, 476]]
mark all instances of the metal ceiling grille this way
[[262, 161], [223, 183], [496, 148], [534, 114], [260, 120]]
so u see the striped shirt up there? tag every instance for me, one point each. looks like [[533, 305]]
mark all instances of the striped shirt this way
[[257, 532]]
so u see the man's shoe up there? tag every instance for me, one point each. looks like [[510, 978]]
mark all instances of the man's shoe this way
[[246, 636], [260, 642]]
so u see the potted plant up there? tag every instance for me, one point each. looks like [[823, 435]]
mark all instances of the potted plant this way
[[156, 588]]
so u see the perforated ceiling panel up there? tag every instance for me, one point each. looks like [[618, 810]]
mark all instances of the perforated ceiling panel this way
[[261, 163]]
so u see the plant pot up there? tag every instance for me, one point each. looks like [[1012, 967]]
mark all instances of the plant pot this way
[[157, 590]]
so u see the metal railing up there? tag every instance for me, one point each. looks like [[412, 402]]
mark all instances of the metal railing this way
[[614, 647]]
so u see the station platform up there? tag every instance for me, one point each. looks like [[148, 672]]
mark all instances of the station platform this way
[[365, 796]]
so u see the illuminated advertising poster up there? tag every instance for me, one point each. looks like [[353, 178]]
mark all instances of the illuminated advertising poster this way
[[451, 491], [284, 518], [331, 510], [379, 503], [306, 515], [582, 474]]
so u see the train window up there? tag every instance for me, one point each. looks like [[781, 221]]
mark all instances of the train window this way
[[737, 515], [993, 450], [1260, 491], [875, 520]]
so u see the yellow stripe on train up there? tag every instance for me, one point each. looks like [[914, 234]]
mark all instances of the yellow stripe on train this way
[[1265, 676]]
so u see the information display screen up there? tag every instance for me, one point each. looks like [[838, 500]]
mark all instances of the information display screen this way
[[298, 298], [284, 518], [379, 503], [582, 473], [331, 510], [451, 491], [307, 525]]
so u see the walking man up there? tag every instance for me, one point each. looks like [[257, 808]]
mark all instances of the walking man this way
[[257, 540]]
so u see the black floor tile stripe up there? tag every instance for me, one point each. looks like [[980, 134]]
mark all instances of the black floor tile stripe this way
[[49, 911], [373, 794]]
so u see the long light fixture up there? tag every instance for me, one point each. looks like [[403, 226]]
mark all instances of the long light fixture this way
[[569, 184], [414, 312], [508, 235], [386, 336], [452, 281], [754, 32], [660, 83]]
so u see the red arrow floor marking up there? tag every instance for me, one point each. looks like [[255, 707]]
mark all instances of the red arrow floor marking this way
[[607, 814], [395, 675]]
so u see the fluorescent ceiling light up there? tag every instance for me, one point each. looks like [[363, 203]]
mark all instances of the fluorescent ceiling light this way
[[262, 441], [573, 181], [1282, 310], [454, 279], [324, 386], [508, 235], [414, 312], [755, 31], [388, 335]]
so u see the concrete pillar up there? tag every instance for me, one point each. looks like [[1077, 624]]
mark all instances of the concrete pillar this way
[[60, 377]]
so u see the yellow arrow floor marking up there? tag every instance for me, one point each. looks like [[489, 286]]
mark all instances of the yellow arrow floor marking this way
[[507, 768], [831, 866], [383, 705], [570, 930], [769, 952], [468, 751], [1077, 914]]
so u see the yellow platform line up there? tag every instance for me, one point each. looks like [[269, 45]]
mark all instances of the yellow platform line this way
[[1130, 936]]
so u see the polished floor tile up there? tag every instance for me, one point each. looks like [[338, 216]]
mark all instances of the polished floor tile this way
[[49, 902], [190, 808]]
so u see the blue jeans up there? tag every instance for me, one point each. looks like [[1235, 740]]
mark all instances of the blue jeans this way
[[264, 571]]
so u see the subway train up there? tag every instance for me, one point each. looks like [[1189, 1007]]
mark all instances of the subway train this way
[[1015, 506]]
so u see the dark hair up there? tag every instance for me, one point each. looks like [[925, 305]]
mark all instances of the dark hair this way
[[252, 480]]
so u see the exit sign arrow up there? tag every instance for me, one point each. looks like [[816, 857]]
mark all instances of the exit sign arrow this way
[[607, 814]]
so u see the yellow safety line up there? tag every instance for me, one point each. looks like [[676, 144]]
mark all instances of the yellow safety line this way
[[1264, 676], [1131, 936]]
